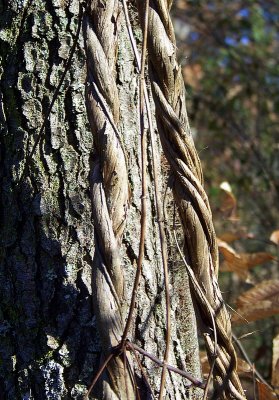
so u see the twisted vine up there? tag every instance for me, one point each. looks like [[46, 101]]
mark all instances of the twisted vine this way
[[110, 192], [201, 251], [109, 186]]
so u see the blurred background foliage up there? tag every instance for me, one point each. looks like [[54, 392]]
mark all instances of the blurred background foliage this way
[[229, 52]]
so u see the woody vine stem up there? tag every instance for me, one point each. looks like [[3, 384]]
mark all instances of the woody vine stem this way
[[110, 198]]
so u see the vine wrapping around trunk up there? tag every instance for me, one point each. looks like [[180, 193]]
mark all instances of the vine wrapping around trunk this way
[[201, 250], [110, 192], [109, 186]]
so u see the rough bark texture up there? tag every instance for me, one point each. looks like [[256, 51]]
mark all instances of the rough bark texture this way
[[49, 344]]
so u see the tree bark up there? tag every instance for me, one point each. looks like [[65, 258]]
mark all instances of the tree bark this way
[[50, 346]]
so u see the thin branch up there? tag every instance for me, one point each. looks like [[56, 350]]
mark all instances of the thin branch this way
[[99, 373], [143, 198], [157, 196], [107, 112], [254, 384], [135, 385], [246, 357], [237, 313], [141, 369], [156, 360], [125, 371], [131, 35]]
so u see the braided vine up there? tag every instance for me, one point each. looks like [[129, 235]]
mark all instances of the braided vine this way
[[109, 186], [201, 252], [110, 192]]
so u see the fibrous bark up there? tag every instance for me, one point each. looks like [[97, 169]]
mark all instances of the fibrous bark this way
[[110, 191]]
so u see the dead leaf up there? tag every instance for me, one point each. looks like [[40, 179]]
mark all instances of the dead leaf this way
[[228, 201], [230, 237], [275, 364], [264, 392], [274, 237], [240, 262], [249, 260], [260, 302], [227, 251], [243, 367], [226, 186]]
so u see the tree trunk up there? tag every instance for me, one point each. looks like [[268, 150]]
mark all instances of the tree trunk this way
[[50, 345]]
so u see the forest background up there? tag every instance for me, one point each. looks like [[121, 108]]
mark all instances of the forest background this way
[[230, 56]]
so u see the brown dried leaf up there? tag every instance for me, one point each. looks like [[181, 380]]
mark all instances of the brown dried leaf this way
[[264, 392], [227, 251], [275, 364], [274, 237], [228, 201], [265, 290], [230, 237], [240, 262], [243, 367], [260, 302], [242, 273], [249, 260]]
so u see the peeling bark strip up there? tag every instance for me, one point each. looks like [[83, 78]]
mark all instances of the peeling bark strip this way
[[109, 183], [200, 240]]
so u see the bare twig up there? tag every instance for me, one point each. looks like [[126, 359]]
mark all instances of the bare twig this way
[[142, 369], [122, 348], [125, 371], [237, 313], [99, 373], [252, 365], [156, 360], [107, 112], [143, 196], [254, 384], [154, 164]]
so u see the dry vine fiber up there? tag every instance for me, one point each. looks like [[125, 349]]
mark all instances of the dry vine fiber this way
[[109, 184], [201, 253], [110, 192]]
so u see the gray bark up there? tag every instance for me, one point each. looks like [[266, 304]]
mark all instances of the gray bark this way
[[49, 346]]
